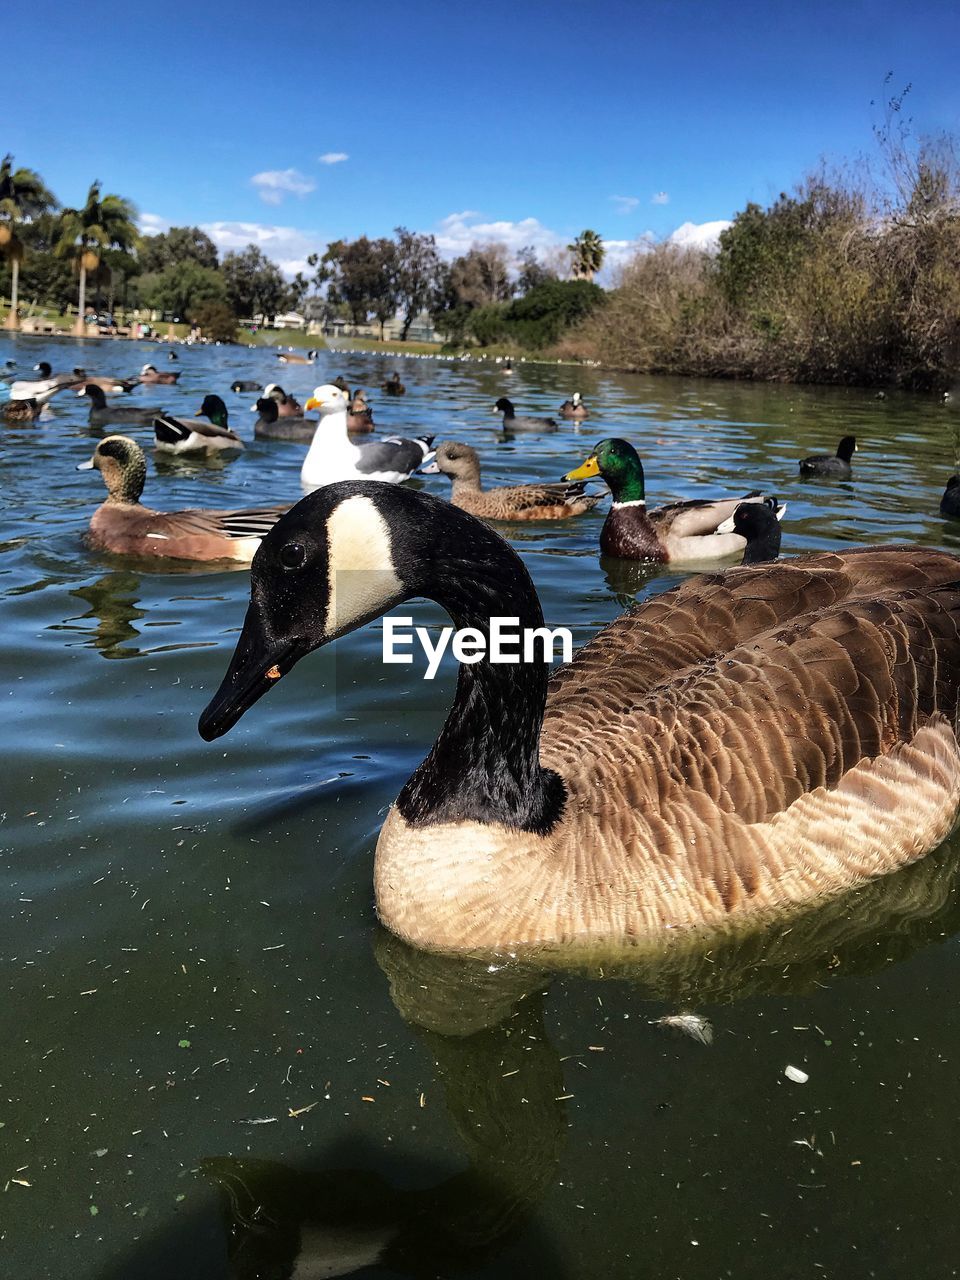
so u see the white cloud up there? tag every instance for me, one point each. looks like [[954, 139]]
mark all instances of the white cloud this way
[[333, 157], [274, 184], [624, 204], [458, 231], [660, 197], [702, 235], [288, 247], [151, 224], [619, 252]]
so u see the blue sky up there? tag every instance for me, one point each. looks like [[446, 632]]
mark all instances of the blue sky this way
[[524, 121]]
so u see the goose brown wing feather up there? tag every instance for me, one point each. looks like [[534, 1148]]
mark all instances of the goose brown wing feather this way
[[713, 612], [791, 711]]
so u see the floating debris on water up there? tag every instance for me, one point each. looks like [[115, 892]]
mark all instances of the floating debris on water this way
[[691, 1024], [796, 1075]]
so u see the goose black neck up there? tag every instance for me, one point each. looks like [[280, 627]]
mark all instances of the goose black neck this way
[[485, 763]]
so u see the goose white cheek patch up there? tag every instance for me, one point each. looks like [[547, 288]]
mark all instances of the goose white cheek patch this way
[[362, 579]]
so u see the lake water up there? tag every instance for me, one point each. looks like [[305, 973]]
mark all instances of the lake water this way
[[215, 1062]]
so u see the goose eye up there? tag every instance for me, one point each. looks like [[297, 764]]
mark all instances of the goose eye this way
[[293, 555]]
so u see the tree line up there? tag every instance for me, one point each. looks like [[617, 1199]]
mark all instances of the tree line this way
[[94, 255]]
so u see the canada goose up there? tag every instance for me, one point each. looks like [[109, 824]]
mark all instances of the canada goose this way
[[16, 411], [123, 526], [513, 423], [393, 386], [574, 408], [826, 464], [520, 502], [150, 375], [112, 386], [741, 745], [679, 531], [186, 435], [950, 502], [290, 357], [334, 456], [101, 411], [759, 523], [245, 385], [287, 406], [270, 426]]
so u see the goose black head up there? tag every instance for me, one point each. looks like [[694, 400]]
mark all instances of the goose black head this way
[[328, 566]]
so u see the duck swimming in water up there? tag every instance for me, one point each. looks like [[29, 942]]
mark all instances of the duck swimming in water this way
[[688, 530]]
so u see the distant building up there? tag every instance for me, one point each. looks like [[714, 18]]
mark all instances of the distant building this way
[[421, 330], [290, 320]]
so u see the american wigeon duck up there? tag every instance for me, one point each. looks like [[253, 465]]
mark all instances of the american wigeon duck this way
[[733, 750], [292, 357], [359, 414], [102, 411], [122, 525], [393, 386], [574, 408], [519, 502], [334, 456], [511, 422], [836, 466], [150, 375], [287, 406], [679, 531], [186, 435]]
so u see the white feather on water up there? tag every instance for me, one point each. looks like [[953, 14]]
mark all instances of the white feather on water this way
[[691, 1024]]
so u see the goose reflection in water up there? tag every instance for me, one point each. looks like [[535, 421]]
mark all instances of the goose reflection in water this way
[[504, 1090]]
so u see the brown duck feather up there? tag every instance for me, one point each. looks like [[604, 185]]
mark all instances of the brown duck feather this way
[[543, 501]]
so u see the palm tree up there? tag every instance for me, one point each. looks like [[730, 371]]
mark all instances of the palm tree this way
[[588, 255], [104, 222], [22, 195]]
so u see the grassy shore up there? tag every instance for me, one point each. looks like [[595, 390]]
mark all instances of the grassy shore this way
[[280, 338], [63, 324], [386, 348]]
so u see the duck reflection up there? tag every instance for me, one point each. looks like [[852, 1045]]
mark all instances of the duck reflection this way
[[503, 1085], [113, 601], [629, 579]]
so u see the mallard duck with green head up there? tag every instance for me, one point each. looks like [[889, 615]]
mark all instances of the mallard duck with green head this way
[[678, 531]]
